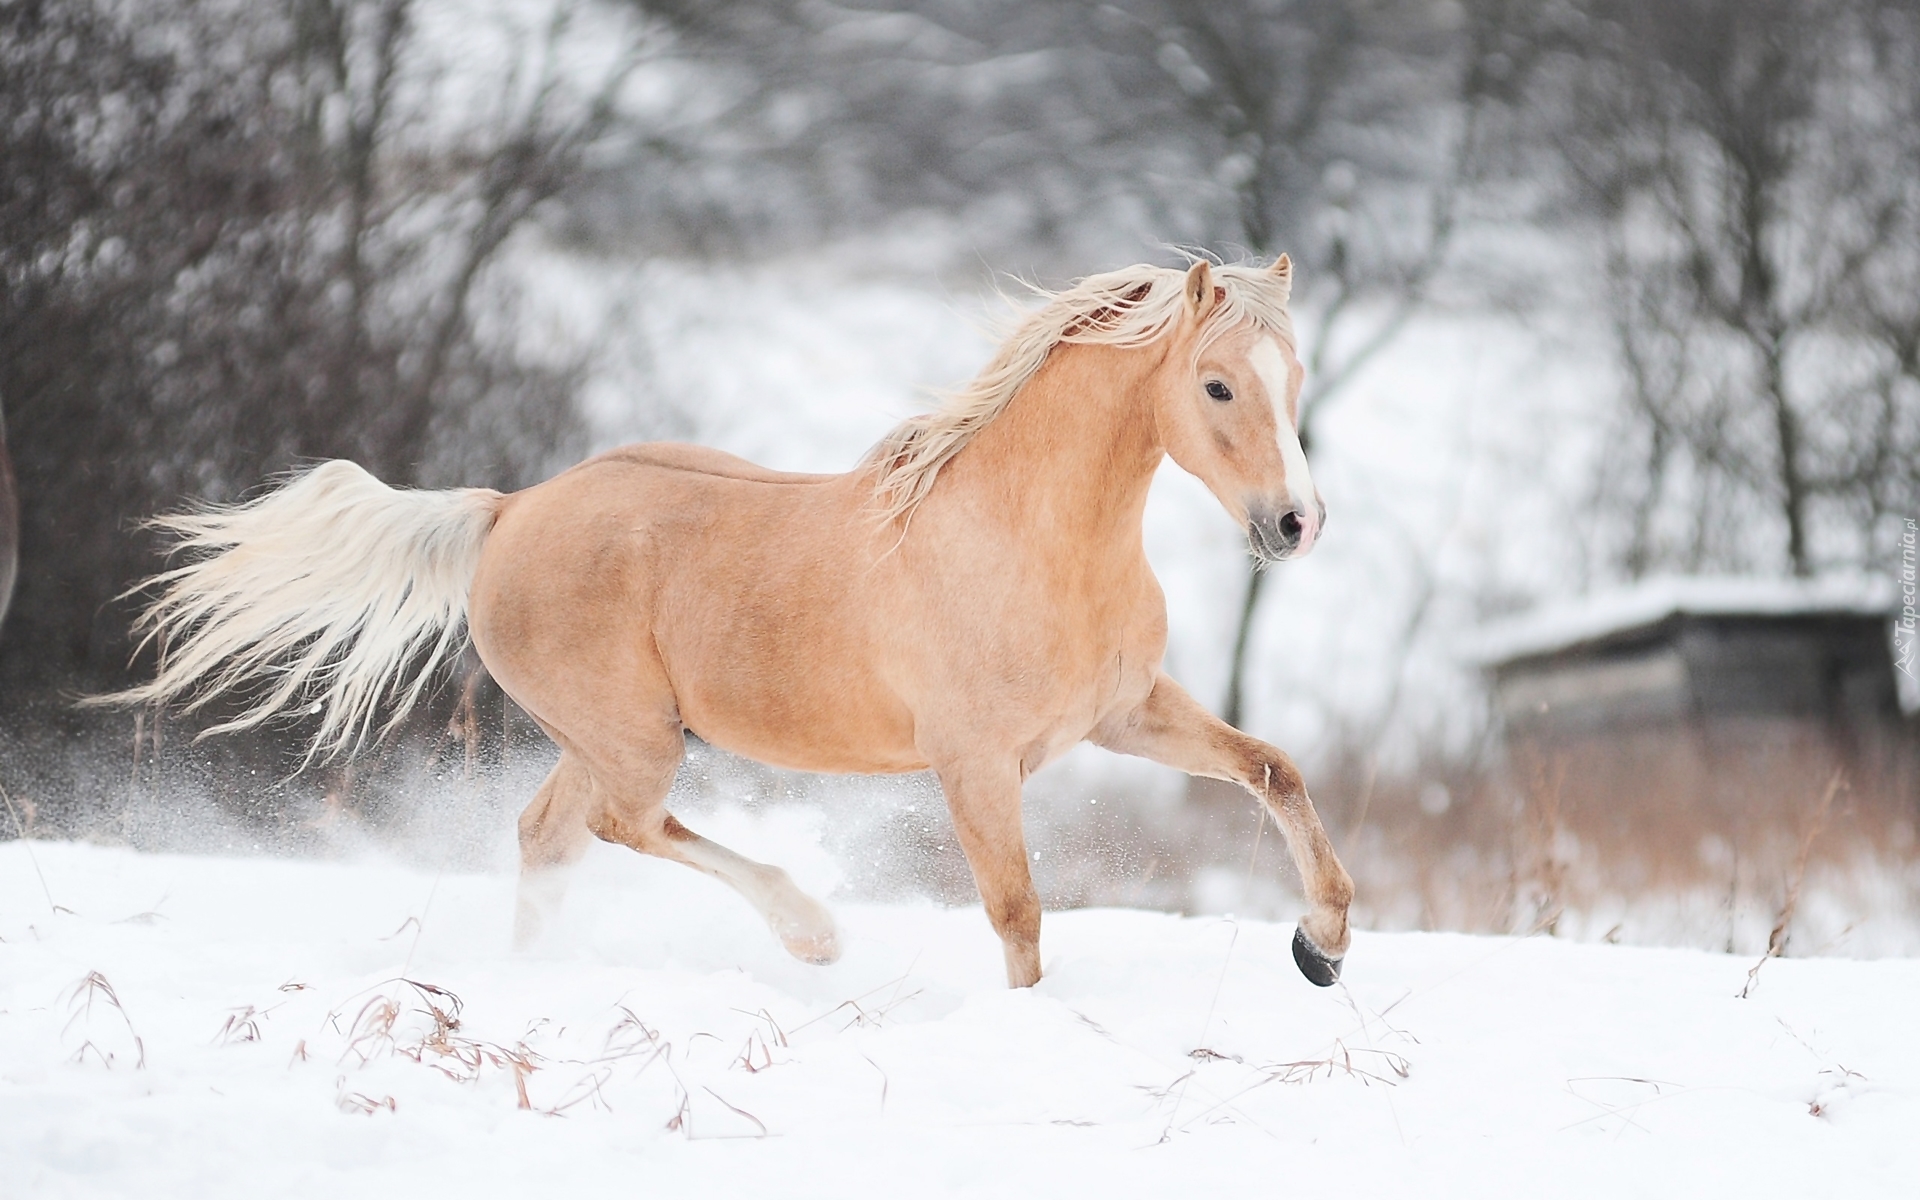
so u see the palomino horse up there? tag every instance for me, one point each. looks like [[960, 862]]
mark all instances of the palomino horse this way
[[973, 598]]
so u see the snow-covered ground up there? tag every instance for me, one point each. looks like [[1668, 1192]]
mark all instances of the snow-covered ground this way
[[206, 1027]]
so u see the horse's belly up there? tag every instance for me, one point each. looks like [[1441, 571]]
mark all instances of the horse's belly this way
[[786, 678], [802, 750], [832, 725]]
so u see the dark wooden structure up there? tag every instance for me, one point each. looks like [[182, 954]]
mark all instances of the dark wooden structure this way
[[1822, 664], [1716, 704]]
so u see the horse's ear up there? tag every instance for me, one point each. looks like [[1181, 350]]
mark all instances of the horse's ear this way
[[1199, 289], [1282, 272]]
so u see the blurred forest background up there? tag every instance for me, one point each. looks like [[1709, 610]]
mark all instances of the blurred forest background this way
[[1590, 291]]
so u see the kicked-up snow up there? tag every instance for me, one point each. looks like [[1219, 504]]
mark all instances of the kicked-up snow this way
[[210, 1027]]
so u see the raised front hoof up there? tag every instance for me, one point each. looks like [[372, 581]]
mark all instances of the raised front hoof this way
[[1320, 970]]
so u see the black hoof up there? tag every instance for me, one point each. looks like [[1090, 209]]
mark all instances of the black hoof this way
[[1320, 970]]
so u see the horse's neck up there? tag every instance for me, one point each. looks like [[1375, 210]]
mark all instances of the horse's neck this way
[[1076, 448]]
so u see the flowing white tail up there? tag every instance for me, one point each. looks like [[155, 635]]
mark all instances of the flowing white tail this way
[[341, 591]]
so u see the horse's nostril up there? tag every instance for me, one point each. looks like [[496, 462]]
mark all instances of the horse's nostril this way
[[1276, 536]]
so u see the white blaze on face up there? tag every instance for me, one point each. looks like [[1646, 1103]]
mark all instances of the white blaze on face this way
[[1271, 364]]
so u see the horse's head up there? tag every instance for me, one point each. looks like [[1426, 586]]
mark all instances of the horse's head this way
[[1228, 407]]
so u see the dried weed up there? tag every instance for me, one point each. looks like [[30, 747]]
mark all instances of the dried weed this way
[[80, 1000], [1777, 938]]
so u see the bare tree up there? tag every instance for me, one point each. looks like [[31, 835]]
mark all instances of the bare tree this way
[[828, 119], [1752, 166], [241, 237]]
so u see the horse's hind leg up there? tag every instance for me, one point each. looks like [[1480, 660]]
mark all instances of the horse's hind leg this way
[[628, 807], [803, 924], [553, 835]]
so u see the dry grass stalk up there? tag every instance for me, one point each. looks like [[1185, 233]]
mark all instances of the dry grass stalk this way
[[862, 1015], [1175, 1092], [757, 1053], [360, 1102], [585, 1089], [80, 1000], [461, 1058], [1843, 1083], [1340, 1060], [372, 1029], [442, 1047], [240, 1026], [1627, 1113], [755, 1056], [629, 1038], [1843, 1080], [737, 1110], [24, 830], [661, 1051], [521, 1069], [1777, 938], [682, 1119], [1656, 825], [1545, 835], [777, 1034]]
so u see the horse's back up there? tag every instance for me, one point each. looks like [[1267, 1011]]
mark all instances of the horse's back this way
[[701, 460]]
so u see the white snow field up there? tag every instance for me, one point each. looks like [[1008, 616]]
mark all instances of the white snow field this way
[[208, 1027]]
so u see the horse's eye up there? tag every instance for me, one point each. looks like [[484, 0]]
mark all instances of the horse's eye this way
[[1218, 390]]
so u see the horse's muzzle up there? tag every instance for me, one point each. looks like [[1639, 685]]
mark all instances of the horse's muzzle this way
[[1275, 534]]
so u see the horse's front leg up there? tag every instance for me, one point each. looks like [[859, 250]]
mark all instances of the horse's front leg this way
[[1171, 727], [984, 798]]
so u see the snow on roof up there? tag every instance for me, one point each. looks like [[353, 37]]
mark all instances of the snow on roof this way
[[1557, 626]]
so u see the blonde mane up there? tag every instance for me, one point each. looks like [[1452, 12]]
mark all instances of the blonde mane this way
[[1131, 307]]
